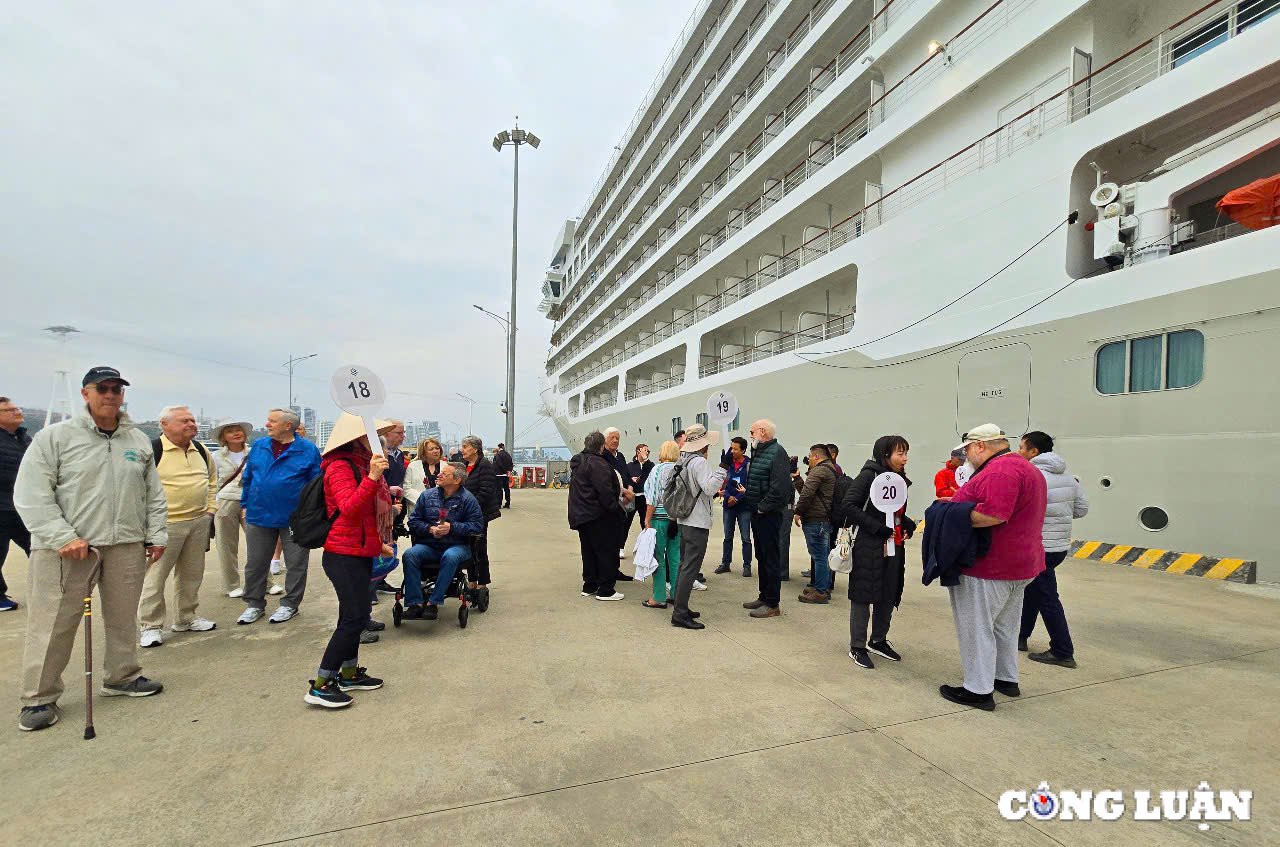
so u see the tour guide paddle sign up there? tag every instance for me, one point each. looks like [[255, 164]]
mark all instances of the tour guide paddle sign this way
[[889, 494], [722, 408], [358, 390]]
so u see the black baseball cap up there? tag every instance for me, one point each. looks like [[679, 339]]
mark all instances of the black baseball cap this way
[[102, 373]]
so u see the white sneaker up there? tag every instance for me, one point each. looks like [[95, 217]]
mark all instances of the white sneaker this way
[[151, 638], [197, 625], [250, 614], [236, 592], [699, 586], [276, 589], [282, 614], [277, 567], [614, 596]]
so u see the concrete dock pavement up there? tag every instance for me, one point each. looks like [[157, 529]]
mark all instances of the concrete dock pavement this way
[[555, 719]]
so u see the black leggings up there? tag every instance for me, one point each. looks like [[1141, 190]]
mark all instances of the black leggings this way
[[478, 567], [350, 576]]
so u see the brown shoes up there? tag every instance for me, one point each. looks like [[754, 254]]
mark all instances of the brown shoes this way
[[813, 595], [763, 611], [753, 604]]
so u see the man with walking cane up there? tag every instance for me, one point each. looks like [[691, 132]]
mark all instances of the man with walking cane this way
[[87, 487]]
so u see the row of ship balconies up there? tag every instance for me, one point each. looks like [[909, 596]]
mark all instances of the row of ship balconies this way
[[1116, 79]]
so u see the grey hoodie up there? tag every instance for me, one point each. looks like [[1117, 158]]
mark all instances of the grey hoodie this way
[[1066, 500], [75, 482]]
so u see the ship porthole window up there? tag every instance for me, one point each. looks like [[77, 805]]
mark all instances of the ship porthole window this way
[[1153, 518], [1105, 482]]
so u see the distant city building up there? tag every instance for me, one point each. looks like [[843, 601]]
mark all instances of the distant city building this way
[[321, 432], [309, 419]]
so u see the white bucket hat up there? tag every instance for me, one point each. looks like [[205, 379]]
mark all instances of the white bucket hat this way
[[216, 434], [348, 428], [986, 432]]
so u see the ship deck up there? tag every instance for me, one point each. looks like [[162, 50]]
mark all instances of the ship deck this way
[[556, 720]]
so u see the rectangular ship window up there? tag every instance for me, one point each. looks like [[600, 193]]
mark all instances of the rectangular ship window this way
[[1150, 363]]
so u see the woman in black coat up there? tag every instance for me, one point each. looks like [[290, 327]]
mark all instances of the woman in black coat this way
[[595, 512], [875, 585], [482, 482], [638, 473]]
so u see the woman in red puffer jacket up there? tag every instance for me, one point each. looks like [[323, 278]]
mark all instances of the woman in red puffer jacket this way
[[360, 531]]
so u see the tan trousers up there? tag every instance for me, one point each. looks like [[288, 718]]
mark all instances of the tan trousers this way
[[55, 605], [227, 522], [185, 557]]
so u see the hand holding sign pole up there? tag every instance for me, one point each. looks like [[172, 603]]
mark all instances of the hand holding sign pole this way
[[358, 390], [889, 494]]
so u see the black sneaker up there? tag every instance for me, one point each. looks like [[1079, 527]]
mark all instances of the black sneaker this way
[[965, 697], [360, 682], [1007, 688], [884, 648], [34, 718], [1047, 658], [412, 612], [1022, 645], [329, 695], [384, 587], [430, 612], [723, 569], [374, 626], [861, 659]]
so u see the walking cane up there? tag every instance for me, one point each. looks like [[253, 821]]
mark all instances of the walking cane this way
[[88, 644]]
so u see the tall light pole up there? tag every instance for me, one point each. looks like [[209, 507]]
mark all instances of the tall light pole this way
[[471, 413], [506, 326], [515, 137], [293, 360]]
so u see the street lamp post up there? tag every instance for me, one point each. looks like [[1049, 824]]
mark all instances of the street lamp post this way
[[293, 360], [471, 412], [506, 327], [515, 137]]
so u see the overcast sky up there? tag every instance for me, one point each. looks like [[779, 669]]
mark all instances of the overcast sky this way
[[204, 188]]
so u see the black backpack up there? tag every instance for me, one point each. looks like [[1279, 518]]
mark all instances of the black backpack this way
[[836, 512], [310, 522]]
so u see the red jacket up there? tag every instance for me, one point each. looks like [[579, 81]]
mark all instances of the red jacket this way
[[944, 482], [355, 531]]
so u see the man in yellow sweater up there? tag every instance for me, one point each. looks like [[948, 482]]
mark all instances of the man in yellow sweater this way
[[190, 486]]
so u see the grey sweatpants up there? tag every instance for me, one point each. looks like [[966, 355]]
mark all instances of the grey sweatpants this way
[[988, 615], [261, 541], [693, 547]]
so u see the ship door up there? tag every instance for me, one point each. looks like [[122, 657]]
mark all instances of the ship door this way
[[994, 386]]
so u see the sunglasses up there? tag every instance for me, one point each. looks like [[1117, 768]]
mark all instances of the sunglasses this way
[[108, 389]]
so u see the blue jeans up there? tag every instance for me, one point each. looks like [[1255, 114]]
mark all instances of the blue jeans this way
[[817, 537], [741, 518], [450, 559]]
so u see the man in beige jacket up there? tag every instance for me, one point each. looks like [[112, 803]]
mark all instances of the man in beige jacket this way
[[89, 493], [190, 487]]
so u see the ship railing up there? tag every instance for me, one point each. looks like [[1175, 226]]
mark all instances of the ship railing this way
[[654, 387], [1213, 236], [836, 67], [783, 344], [1016, 134], [601, 403]]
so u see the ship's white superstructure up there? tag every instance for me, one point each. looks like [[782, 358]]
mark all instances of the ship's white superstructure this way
[[914, 216]]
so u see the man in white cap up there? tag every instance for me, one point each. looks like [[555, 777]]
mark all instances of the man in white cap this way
[[89, 493], [1008, 496], [704, 480]]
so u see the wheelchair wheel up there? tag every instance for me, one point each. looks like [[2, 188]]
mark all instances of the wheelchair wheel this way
[[463, 613], [397, 614], [482, 599]]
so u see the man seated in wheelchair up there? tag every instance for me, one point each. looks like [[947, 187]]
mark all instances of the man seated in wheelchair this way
[[441, 525]]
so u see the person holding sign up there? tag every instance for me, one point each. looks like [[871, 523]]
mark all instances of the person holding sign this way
[[879, 570], [361, 530], [944, 481]]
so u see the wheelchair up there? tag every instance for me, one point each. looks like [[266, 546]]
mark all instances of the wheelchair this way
[[468, 598]]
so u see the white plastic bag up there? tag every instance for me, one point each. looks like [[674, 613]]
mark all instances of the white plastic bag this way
[[841, 556], [643, 554]]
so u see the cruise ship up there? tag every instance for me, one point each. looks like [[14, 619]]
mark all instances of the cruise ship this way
[[863, 217]]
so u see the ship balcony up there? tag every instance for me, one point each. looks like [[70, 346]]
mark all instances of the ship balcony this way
[[552, 290], [657, 374]]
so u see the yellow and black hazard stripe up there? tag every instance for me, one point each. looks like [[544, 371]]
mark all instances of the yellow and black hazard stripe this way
[[1150, 558]]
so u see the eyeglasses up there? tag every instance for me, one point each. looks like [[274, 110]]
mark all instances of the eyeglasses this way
[[103, 388]]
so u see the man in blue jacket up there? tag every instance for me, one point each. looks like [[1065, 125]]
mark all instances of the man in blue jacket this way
[[275, 472], [442, 523]]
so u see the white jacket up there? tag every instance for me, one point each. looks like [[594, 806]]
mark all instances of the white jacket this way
[[224, 467], [1067, 500], [75, 482]]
